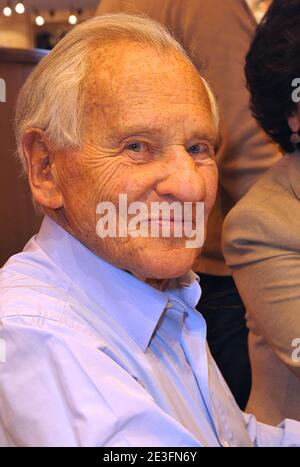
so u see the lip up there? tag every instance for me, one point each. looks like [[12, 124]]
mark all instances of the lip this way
[[170, 221], [165, 221], [187, 228]]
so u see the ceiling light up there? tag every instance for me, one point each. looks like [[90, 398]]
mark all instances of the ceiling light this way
[[72, 19], [20, 8], [7, 11], [39, 20]]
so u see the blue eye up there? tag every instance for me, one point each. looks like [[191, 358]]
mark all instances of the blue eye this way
[[135, 147], [200, 148], [195, 149]]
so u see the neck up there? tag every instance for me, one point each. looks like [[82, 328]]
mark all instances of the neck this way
[[160, 284]]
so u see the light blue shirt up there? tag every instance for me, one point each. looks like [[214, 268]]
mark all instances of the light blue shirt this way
[[92, 356]]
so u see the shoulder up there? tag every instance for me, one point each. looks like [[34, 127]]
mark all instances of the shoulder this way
[[266, 216], [271, 196], [35, 295], [27, 287]]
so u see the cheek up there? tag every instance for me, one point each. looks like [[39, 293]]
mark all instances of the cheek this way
[[210, 175], [78, 188], [128, 177]]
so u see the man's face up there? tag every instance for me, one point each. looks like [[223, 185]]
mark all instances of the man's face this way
[[150, 135]]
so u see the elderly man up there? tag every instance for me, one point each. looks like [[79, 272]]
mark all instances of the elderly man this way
[[217, 34], [101, 344]]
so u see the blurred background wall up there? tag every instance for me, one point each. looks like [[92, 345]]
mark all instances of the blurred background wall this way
[[40, 23], [25, 38]]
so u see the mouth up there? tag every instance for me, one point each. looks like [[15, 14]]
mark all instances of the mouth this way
[[171, 221]]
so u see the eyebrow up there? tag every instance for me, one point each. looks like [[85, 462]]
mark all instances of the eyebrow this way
[[137, 130], [143, 131]]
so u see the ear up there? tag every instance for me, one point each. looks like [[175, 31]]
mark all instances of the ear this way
[[39, 158]]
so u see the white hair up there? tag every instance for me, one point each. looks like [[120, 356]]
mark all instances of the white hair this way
[[53, 97]]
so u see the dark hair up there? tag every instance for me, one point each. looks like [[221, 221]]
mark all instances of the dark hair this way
[[272, 63]]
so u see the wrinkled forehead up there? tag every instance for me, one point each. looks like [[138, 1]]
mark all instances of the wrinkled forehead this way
[[127, 71]]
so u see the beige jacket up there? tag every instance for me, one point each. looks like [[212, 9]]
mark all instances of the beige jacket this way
[[262, 247], [217, 35]]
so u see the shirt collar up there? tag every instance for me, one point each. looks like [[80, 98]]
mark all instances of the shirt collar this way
[[136, 305]]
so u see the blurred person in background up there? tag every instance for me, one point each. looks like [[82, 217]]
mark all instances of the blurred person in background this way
[[217, 35], [261, 234]]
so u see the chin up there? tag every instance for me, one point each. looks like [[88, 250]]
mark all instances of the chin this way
[[165, 263]]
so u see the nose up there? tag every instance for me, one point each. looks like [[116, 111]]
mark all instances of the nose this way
[[182, 180]]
